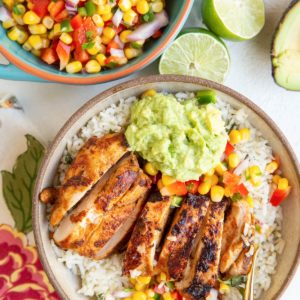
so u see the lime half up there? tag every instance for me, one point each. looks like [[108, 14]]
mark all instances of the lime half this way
[[234, 19], [199, 54]]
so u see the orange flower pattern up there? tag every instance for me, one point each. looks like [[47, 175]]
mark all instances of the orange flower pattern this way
[[21, 273]]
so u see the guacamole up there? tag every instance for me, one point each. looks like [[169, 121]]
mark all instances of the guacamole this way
[[181, 139]]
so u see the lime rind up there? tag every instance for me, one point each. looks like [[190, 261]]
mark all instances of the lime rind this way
[[198, 54]]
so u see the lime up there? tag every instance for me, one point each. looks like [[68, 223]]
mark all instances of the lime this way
[[234, 19], [199, 54]]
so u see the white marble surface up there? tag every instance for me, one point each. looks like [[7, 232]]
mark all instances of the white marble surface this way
[[48, 106]]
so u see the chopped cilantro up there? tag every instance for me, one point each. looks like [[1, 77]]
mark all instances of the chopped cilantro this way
[[16, 10], [89, 35], [235, 281], [148, 17], [236, 197], [68, 159], [88, 45], [176, 201]]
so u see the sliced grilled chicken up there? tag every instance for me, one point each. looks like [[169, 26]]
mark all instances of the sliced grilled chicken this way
[[117, 221], [232, 243], [202, 274], [140, 253], [179, 241], [92, 161], [76, 228]]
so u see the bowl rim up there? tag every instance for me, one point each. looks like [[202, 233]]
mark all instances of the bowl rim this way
[[134, 83], [185, 10]]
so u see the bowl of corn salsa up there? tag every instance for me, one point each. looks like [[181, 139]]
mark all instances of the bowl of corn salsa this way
[[85, 41]]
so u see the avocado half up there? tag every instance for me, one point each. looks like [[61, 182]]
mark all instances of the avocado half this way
[[285, 52]]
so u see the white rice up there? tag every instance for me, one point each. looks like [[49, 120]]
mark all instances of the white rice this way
[[105, 277]]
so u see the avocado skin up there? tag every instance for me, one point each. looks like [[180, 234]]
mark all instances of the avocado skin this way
[[277, 30]]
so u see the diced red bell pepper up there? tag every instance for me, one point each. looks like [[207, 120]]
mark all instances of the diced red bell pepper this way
[[177, 188], [81, 55], [176, 295], [55, 43], [40, 7], [89, 26], [229, 149], [63, 52], [55, 8], [49, 56], [76, 21], [80, 34], [61, 16], [157, 34], [192, 186], [241, 188], [278, 196], [230, 179]]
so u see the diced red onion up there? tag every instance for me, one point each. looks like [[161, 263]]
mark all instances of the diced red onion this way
[[99, 30], [72, 3], [119, 42], [146, 30], [241, 167], [117, 52], [4, 14], [122, 294], [117, 18]]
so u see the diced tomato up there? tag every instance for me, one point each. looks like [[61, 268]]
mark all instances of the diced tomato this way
[[76, 21], [63, 52], [119, 29], [40, 7], [176, 295], [49, 56], [192, 186], [55, 8], [89, 26], [241, 188], [55, 43], [112, 44], [177, 188], [157, 34], [79, 37], [230, 179], [81, 55], [278, 196], [229, 149], [61, 16]]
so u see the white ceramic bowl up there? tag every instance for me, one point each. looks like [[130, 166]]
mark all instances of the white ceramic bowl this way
[[64, 281]]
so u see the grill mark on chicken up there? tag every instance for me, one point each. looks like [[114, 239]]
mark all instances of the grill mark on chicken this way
[[175, 254], [93, 160]]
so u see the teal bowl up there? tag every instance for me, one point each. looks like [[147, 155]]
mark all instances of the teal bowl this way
[[25, 66]]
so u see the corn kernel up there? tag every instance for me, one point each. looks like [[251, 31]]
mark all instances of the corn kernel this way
[[9, 3], [160, 184], [130, 16], [18, 18], [35, 41], [142, 7], [100, 2], [210, 173], [224, 288], [167, 180], [250, 201], [204, 188], [107, 17], [139, 286], [128, 298], [97, 19], [66, 38], [31, 18], [212, 179], [74, 67], [256, 181], [276, 178], [132, 280], [20, 8], [124, 34], [9, 23], [105, 40], [37, 29], [217, 193], [101, 59], [149, 93], [228, 192], [139, 296], [235, 136], [162, 276], [92, 66], [220, 169], [48, 22], [144, 279], [124, 5], [26, 46], [150, 169], [150, 293], [109, 32], [254, 171], [233, 160], [45, 42], [103, 9], [131, 52], [245, 134], [167, 296], [56, 29], [272, 167], [17, 34], [36, 52], [30, 5], [283, 184], [157, 6]]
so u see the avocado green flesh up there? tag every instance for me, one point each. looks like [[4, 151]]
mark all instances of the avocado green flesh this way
[[286, 50], [181, 139]]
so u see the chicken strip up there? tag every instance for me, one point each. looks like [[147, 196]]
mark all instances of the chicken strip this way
[[118, 221], [178, 244], [203, 272], [92, 161], [76, 228], [147, 233], [232, 243]]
